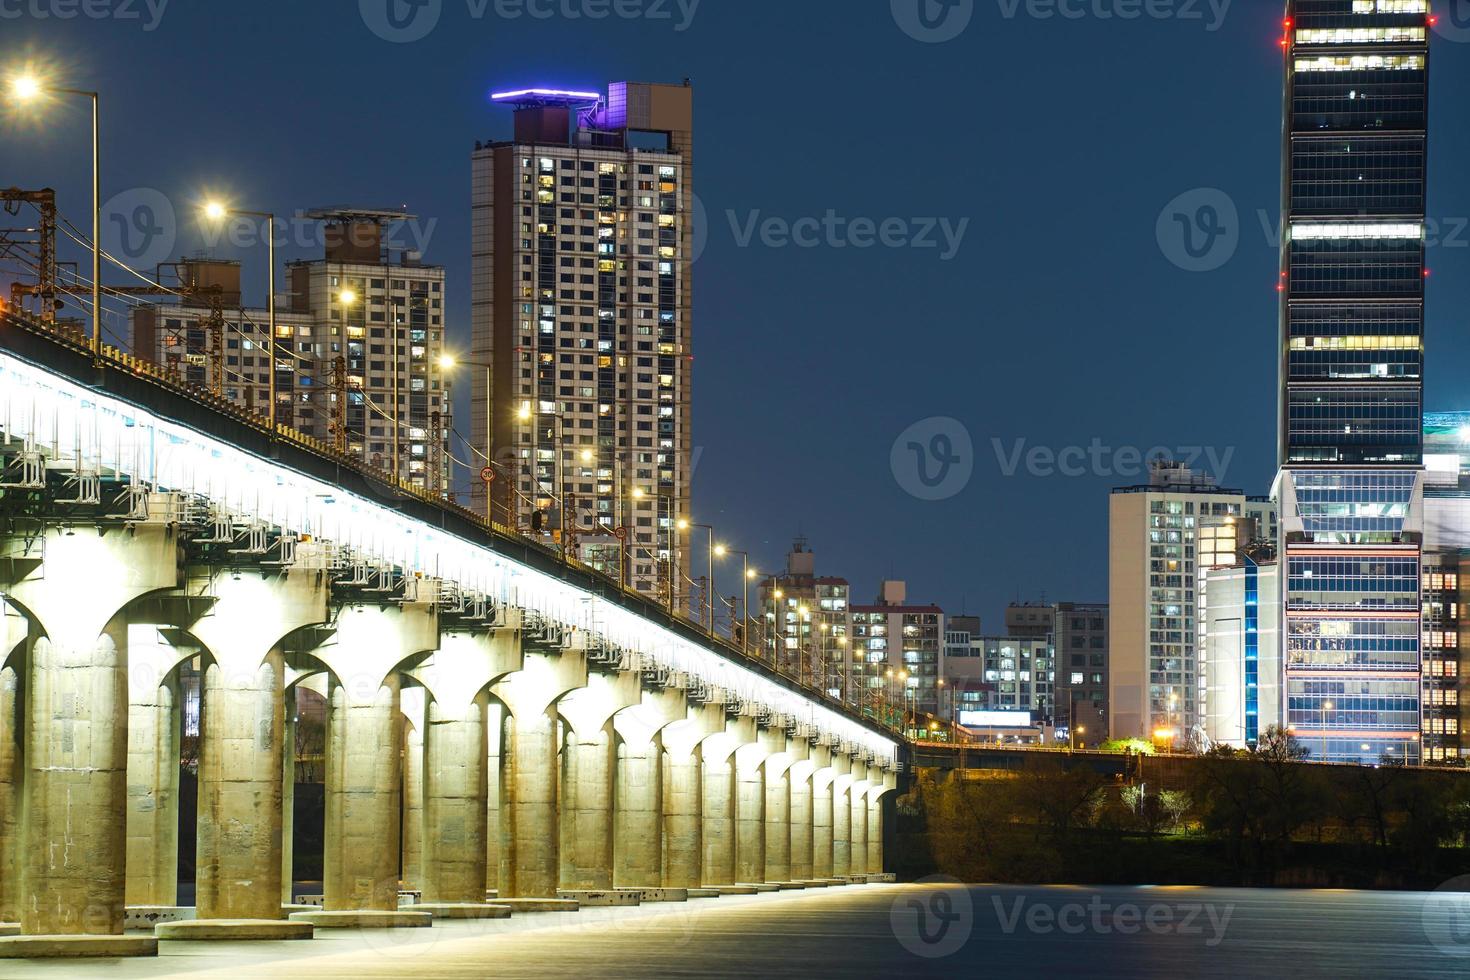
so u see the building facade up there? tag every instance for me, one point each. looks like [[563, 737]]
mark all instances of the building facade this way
[[1239, 611], [1152, 676], [583, 242], [359, 341], [1079, 635], [902, 650], [808, 626], [1351, 329]]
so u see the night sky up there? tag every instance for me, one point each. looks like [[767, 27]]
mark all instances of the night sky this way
[[1052, 143]]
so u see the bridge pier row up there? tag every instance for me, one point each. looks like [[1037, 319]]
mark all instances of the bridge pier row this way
[[778, 815], [750, 805], [821, 785], [841, 815], [364, 772], [530, 832], [858, 797], [588, 761], [803, 817], [682, 793], [717, 807], [74, 800], [458, 719], [241, 849], [154, 733], [638, 831]]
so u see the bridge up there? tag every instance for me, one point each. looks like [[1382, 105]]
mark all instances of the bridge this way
[[537, 735]]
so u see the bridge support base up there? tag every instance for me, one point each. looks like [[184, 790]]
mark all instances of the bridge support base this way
[[71, 947], [232, 929], [365, 919]]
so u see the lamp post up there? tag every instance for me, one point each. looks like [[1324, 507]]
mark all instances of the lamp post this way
[[448, 362], [709, 585], [215, 212], [27, 88]]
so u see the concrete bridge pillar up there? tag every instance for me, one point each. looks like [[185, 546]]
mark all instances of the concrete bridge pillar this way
[[364, 775], [638, 833], [588, 761], [778, 815], [750, 804], [411, 702], [821, 786], [73, 848], [456, 752], [683, 791], [242, 746], [530, 835], [799, 778], [858, 797], [883, 784], [841, 814], [12, 636], [154, 731], [718, 802]]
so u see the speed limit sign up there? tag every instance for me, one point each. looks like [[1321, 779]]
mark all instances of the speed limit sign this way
[[487, 475]]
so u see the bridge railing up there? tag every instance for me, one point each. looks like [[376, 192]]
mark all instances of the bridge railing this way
[[75, 340]]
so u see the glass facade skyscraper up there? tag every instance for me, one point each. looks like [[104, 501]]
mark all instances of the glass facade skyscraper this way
[[1352, 318]]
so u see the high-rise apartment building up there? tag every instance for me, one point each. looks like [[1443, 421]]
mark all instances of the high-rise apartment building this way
[[1153, 685], [1445, 588], [1020, 672], [1351, 345], [359, 339], [808, 624], [901, 648], [583, 244]]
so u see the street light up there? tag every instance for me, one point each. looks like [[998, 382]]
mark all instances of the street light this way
[[215, 211], [709, 585], [29, 88], [448, 362]]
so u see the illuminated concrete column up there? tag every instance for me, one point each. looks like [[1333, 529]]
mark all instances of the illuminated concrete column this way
[[154, 730], [841, 814], [750, 804], [411, 703], [882, 785], [778, 807], [530, 863], [456, 753], [73, 847], [717, 800], [683, 791], [821, 781], [12, 635], [803, 830], [364, 750], [288, 795], [588, 761], [495, 721], [242, 744], [858, 799], [638, 832]]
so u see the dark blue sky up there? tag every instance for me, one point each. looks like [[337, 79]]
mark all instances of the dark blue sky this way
[[1059, 321]]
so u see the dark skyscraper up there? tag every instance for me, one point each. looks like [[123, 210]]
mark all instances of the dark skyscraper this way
[[1352, 318]]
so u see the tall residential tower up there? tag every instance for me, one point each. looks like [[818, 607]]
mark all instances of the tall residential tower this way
[[1352, 319], [581, 357]]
